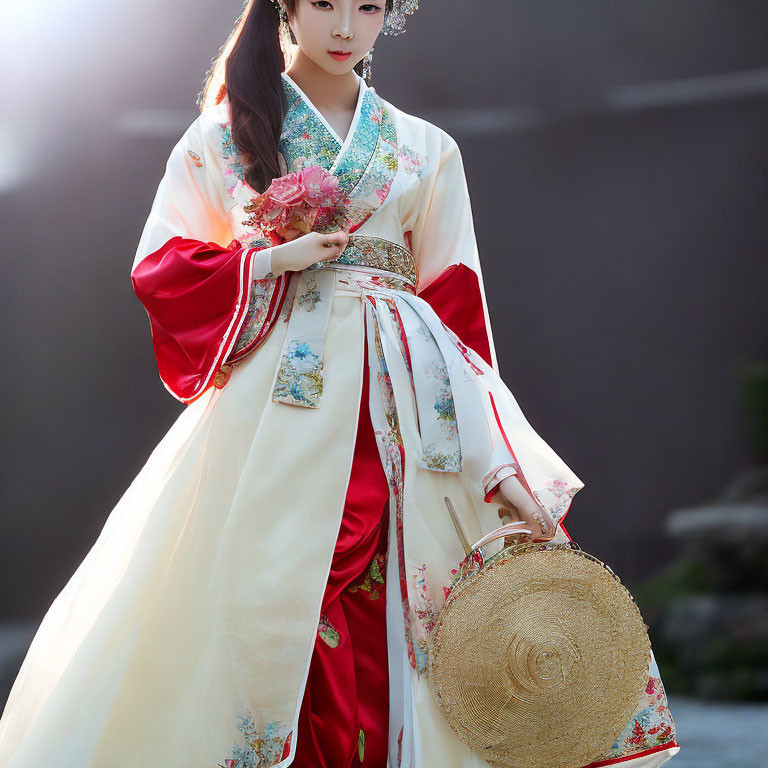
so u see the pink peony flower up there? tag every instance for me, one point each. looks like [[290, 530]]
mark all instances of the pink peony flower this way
[[322, 189], [287, 190], [293, 204]]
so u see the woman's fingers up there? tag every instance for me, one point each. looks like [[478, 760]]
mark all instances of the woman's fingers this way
[[335, 239], [525, 508], [333, 245], [541, 522], [538, 520]]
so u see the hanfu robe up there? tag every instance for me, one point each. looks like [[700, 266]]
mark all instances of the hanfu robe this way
[[185, 636]]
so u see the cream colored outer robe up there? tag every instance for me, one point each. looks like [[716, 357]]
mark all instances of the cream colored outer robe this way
[[184, 638]]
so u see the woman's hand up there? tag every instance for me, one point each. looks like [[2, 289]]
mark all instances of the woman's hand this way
[[518, 505], [299, 253]]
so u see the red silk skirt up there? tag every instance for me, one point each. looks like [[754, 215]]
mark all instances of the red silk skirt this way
[[344, 716]]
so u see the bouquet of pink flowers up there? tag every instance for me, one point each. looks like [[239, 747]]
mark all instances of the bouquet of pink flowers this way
[[297, 203]]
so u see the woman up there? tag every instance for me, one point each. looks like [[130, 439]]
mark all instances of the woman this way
[[262, 593]]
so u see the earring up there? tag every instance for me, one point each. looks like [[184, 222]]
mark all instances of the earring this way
[[367, 59], [284, 32]]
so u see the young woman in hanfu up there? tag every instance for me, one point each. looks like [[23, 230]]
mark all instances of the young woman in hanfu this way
[[263, 592]]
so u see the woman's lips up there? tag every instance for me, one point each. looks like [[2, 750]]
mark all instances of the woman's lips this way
[[340, 55]]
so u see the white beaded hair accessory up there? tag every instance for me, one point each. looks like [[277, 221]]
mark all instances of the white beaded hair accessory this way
[[394, 23]]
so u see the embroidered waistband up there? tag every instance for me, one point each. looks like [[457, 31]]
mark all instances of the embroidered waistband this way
[[377, 253]]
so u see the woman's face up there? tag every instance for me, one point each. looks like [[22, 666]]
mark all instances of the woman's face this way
[[326, 27]]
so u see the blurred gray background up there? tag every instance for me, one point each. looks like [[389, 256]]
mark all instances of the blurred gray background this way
[[616, 156]]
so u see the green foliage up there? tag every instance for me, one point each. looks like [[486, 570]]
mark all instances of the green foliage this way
[[753, 395]]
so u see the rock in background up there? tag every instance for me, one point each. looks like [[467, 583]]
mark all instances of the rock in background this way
[[708, 611]]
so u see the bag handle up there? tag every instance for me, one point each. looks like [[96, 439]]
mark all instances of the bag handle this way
[[504, 530]]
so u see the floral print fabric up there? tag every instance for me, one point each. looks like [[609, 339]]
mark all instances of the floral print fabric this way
[[365, 166], [259, 748], [651, 725], [299, 379]]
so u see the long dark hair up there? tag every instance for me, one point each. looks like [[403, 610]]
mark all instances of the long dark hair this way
[[247, 69]]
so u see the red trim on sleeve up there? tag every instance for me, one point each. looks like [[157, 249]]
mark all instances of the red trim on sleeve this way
[[275, 305], [488, 496], [457, 300], [196, 295], [521, 475]]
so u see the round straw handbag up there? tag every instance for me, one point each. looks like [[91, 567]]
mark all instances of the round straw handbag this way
[[539, 656]]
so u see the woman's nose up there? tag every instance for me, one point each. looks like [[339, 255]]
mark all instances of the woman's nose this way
[[343, 27]]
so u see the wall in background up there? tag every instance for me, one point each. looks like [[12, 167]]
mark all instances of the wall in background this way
[[616, 159]]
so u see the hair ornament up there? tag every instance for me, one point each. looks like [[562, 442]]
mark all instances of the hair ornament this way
[[394, 23], [280, 10]]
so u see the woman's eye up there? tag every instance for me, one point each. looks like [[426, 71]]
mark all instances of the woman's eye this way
[[370, 8], [322, 4]]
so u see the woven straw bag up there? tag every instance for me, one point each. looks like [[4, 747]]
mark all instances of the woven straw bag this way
[[539, 655]]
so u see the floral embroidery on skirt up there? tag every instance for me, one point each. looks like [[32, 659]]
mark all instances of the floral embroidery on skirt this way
[[328, 632], [262, 748], [373, 583]]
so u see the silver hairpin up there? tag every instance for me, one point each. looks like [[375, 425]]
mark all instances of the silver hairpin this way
[[394, 23]]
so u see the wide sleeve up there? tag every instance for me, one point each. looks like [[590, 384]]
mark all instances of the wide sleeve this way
[[451, 281], [445, 249], [192, 277]]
